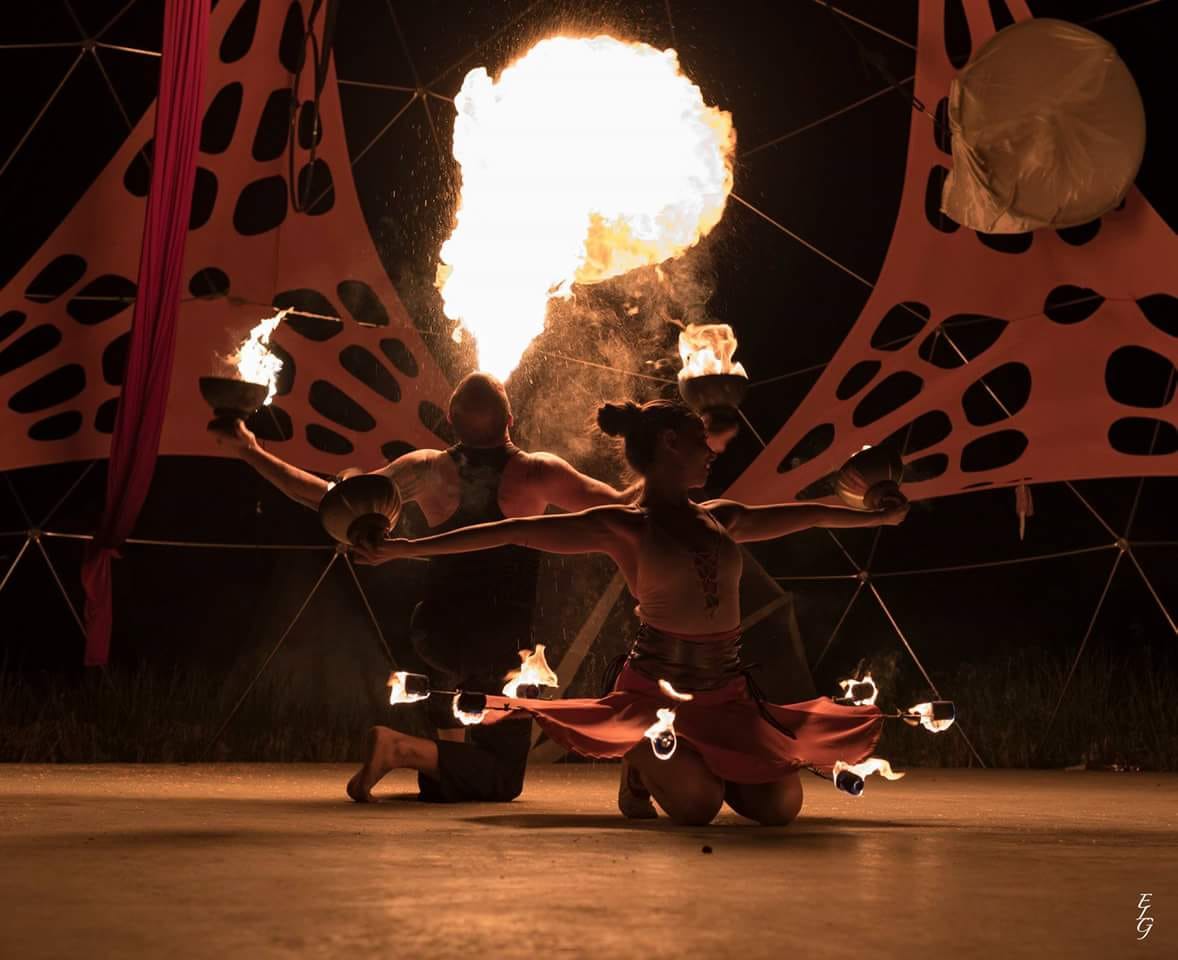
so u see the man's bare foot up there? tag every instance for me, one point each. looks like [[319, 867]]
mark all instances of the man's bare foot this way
[[633, 798], [380, 751]]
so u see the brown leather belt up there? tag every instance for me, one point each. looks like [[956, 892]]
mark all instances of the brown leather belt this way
[[686, 664]]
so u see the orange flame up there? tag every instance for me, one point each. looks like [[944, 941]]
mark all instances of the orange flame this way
[[533, 669], [925, 711], [865, 701], [253, 361], [587, 158], [868, 767], [707, 348], [397, 691]]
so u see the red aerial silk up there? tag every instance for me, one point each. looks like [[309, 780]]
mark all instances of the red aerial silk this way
[[143, 400]]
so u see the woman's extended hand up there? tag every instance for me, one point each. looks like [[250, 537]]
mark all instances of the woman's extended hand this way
[[383, 551], [893, 512]]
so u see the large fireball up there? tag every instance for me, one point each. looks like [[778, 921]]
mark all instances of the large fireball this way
[[586, 159]]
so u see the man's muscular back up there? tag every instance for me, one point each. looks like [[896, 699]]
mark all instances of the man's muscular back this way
[[531, 483]]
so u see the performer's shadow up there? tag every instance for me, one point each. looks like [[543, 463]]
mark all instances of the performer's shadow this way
[[806, 829]]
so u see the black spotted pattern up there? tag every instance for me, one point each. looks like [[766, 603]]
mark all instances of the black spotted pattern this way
[[816, 441], [932, 201], [942, 136], [209, 282], [104, 416], [1143, 437], [56, 278], [273, 127], [900, 325], [1161, 310], [114, 359], [1139, 377], [327, 440], [822, 487], [366, 368], [399, 356], [959, 339], [888, 395], [992, 451], [137, 178], [310, 301], [1006, 242], [330, 401], [55, 388], [396, 448], [957, 39], [101, 299], [236, 42], [261, 206], [363, 303], [997, 395], [57, 427], [28, 347], [926, 468], [1000, 14], [216, 131], [1068, 304], [925, 431], [11, 322], [291, 48], [857, 378], [316, 188], [204, 198], [1081, 234]]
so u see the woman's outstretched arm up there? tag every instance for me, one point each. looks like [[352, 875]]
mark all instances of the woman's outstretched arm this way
[[745, 524], [591, 531]]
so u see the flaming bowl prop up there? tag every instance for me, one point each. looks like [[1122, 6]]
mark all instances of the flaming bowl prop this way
[[232, 399], [710, 382], [870, 480], [360, 508]]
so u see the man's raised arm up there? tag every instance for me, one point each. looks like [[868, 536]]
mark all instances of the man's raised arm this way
[[301, 486]]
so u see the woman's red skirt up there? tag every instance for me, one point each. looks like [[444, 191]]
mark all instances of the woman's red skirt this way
[[725, 726]]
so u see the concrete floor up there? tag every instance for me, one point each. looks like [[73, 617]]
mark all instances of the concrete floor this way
[[265, 860]]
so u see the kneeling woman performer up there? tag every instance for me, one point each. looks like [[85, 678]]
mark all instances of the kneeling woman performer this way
[[682, 563]]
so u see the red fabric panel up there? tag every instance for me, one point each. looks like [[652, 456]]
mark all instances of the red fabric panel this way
[[1069, 413], [143, 401], [326, 251]]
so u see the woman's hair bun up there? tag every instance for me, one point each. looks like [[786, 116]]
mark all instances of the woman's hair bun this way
[[617, 419]]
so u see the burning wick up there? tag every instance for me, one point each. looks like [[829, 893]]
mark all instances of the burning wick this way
[[470, 708], [706, 350], [405, 687], [253, 361], [661, 734], [861, 693], [585, 159], [710, 383], [934, 717], [534, 671], [849, 777], [673, 693]]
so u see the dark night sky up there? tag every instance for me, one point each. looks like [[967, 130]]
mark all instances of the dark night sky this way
[[776, 66]]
